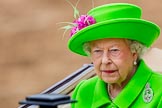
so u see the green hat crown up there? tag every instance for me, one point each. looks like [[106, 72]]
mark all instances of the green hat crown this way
[[116, 20], [114, 11]]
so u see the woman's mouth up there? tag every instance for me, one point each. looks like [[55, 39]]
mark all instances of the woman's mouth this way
[[108, 71]]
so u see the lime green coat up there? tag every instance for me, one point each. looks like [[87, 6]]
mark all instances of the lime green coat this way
[[92, 93]]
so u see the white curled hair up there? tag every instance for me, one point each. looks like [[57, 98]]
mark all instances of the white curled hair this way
[[135, 47]]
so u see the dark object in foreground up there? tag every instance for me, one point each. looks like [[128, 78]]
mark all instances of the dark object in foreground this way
[[47, 100], [67, 85]]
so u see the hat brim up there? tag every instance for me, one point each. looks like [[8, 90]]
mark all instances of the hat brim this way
[[130, 28]]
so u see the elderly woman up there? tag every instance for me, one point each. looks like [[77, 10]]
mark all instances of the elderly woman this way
[[115, 37]]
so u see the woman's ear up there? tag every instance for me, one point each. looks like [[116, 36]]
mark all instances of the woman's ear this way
[[135, 56]]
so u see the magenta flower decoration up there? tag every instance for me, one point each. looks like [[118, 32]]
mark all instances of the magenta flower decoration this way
[[82, 22]]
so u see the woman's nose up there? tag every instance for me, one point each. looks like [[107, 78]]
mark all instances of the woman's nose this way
[[106, 59]]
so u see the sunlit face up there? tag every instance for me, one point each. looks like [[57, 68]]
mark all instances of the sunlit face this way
[[112, 59]]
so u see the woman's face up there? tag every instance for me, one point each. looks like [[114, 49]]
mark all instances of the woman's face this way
[[112, 59]]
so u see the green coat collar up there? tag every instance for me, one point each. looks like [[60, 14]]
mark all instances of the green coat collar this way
[[134, 87], [128, 94], [100, 94]]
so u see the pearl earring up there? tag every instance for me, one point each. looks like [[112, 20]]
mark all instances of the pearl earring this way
[[135, 63]]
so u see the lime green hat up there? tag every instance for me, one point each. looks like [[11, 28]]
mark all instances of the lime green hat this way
[[116, 20]]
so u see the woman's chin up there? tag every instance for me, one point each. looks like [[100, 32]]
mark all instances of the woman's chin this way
[[109, 80]]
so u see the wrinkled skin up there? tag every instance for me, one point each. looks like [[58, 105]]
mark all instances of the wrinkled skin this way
[[113, 61]]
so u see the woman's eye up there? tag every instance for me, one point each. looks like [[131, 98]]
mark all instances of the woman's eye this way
[[114, 52], [96, 51]]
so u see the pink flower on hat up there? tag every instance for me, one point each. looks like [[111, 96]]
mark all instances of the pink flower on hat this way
[[82, 22]]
